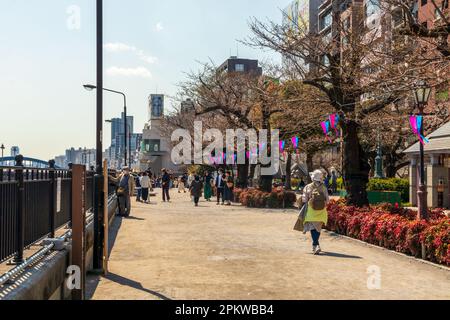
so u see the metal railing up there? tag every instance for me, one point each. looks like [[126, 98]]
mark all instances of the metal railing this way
[[34, 203]]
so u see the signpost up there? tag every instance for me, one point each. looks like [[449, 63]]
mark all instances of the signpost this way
[[79, 227]]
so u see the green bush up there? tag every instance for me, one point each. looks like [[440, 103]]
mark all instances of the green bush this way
[[391, 184]]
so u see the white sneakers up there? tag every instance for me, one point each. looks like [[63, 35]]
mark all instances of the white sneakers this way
[[316, 250]]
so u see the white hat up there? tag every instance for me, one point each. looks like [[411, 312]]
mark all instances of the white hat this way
[[317, 176]]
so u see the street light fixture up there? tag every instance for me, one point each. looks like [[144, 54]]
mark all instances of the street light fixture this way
[[422, 95], [90, 87]]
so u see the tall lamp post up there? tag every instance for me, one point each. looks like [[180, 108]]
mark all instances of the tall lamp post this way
[[91, 87], [421, 95]]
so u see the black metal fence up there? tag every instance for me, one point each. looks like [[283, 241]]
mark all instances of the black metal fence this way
[[34, 203]]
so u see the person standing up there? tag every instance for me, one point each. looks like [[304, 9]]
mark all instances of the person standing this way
[[125, 189], [333, 182], [145, 184], [228, 189], [196, 190], [137, 181], [219, 183], [316, 197], [181, 186], [208, 186], [190, 179], [165, 184]]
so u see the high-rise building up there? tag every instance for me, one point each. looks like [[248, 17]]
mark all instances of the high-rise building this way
[[117, 148]]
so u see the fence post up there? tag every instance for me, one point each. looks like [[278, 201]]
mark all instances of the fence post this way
[[20, 232], [52, 203]]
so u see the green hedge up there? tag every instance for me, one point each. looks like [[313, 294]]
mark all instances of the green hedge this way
[[391, 184]]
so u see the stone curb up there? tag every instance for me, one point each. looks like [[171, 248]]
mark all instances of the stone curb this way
[[389, 251]]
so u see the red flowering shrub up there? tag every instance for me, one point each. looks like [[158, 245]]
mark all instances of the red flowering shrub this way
[[394, 228], [254, 198]]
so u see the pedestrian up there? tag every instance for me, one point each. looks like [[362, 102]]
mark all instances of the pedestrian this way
[[228, 189], [145, 184], [137, 181], [316, 197], [191, 179], [125, 189], [208, 186], [301, 185], [219, 184], [196, 190], [165, 184], [333, 182], [181, 184]]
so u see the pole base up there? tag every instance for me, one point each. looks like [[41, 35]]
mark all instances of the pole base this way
[[422, 202], [15, 262]]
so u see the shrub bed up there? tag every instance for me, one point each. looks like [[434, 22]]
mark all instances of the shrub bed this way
[[392, 184], [394, 228], [254, 198]]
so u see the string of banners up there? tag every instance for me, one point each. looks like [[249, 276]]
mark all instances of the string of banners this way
[[222, 157], [416, 125], [331, 125]]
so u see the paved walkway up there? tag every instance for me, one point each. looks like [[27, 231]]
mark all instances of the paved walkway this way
[[175, 251]]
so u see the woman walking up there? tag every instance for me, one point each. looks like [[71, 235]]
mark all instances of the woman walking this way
[[208, 186], [315, 196]]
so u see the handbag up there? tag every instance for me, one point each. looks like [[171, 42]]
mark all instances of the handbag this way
[[121, 191], [299, 225]]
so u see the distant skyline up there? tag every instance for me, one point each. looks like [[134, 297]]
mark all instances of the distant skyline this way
[[48, 53]]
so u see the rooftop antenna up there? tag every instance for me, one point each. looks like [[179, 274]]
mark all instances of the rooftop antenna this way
[[237, 49]]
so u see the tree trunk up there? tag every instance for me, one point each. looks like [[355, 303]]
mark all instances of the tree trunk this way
[[242, 178], [391, 166], [265, 181], [288, 184], [252, 173], [309, 165], [356, 167]]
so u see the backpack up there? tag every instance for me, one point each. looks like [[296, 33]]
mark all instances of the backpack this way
[[318, 199]]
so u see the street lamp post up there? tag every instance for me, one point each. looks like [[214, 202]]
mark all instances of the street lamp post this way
[[421, 95], [90, 87]]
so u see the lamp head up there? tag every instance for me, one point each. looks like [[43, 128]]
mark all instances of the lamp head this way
[[422, 93], [89, 87]]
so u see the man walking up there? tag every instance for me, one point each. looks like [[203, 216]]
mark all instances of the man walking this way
[[165, 185], [220, 185], [145, 184]]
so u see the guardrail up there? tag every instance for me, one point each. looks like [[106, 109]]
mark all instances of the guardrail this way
[[34, 203]]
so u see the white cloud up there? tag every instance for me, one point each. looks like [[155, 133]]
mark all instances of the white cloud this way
[[129, 72], [123, 47], [159, 27]]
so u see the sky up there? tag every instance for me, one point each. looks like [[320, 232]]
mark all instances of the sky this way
[[47, 53]]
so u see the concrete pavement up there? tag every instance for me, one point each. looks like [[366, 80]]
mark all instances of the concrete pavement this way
[[175, 251]]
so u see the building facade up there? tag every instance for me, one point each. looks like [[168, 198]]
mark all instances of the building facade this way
[[155, 151], [235, 64]]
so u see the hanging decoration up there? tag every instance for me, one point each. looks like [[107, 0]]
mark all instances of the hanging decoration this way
[[416, 123]]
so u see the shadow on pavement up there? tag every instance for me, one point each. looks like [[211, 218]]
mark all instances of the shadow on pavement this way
[[133, 284], [92, 280], [338, 255], [134, 218]]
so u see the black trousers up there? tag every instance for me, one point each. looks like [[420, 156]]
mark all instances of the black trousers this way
[[219, 194], [166, 195], [196, 200], [145, 194]]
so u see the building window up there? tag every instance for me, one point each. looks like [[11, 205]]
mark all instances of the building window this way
[[240, 67], [423, 2], [372, 7], [325, 20]]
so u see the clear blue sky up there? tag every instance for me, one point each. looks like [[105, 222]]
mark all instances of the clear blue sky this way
[[46, 56]]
